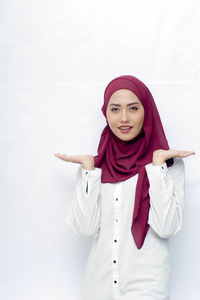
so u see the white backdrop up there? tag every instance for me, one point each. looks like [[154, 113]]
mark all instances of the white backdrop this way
[[56, 60]]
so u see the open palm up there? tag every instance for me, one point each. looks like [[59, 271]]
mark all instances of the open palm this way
[[163, 155]]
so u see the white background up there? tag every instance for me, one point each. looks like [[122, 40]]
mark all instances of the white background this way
[[56, 59]]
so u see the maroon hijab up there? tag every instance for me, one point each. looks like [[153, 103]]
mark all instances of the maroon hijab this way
[[120, 160]]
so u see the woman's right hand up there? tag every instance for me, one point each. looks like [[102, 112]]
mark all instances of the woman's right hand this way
[[86, 160]]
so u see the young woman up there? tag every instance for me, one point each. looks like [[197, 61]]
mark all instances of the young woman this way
[[129, 198]]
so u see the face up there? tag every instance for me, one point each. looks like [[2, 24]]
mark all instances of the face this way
[[125, 110]]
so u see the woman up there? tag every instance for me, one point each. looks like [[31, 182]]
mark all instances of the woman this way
[[129, 198]]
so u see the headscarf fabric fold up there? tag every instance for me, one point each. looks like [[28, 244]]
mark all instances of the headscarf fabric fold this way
[[120, 160]]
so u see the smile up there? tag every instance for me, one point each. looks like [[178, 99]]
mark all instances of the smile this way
[[125, 129]]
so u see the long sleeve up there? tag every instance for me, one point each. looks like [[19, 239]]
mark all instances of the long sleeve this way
[[166, 197], [85, 211]]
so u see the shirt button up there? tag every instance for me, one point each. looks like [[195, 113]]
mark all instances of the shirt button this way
[[116, 199], [86, 172], [162, 167], [114, 261], [115, 241], [115, 281], [117, 220]]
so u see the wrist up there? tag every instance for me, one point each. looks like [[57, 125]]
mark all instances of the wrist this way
[[158, 162], [87, 167]]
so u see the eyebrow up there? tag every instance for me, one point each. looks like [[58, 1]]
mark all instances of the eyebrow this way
[[127, 104]]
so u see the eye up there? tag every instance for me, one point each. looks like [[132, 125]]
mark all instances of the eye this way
[[134, 107]]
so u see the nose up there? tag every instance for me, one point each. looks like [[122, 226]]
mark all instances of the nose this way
[[124, 115]]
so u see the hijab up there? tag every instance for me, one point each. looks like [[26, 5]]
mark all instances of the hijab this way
[[120, 160]]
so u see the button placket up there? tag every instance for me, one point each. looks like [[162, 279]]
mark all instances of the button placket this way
[[86, 185], [164, 170], [116, 238]]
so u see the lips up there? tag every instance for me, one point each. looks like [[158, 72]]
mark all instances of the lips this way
[[125, 129]]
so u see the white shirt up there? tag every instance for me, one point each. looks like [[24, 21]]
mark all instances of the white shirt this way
[[116, 268]]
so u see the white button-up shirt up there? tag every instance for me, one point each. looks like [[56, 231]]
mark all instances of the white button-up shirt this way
[[116, 268]]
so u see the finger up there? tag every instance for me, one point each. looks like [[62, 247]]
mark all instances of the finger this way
[[187, 152], [69, 158], [183, 153], [62, 156]]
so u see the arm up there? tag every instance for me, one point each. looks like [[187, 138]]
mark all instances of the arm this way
[[166, 197], [84, 213]]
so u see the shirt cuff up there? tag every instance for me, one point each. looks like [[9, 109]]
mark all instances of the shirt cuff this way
[[91, 173], [155, 168]]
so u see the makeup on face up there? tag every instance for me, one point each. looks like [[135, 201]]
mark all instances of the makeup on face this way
[[125, 125]]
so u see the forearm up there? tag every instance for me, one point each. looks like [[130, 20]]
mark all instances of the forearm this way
[[166, 199], [84, 214]]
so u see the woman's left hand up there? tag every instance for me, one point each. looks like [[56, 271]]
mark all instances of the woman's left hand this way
[[160, 156]]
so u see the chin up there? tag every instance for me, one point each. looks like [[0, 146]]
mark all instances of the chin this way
[[125, 138]]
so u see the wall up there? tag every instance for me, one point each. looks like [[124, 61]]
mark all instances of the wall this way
[[56, 60]]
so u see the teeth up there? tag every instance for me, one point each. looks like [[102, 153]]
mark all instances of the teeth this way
[[125, 127]]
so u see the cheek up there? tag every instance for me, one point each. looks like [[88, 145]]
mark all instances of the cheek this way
[[140, 119], [112, 119]]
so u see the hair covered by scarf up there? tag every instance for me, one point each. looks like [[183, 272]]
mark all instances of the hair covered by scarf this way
[[120, 160]]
